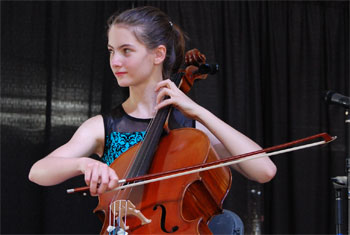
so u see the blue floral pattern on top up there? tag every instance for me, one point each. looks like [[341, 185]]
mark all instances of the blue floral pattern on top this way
[[118, 143]]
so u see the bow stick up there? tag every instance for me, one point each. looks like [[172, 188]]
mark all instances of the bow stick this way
[[216, 164]]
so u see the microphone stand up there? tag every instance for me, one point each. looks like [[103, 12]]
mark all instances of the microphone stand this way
[[339, 183], [347, 160], [336, 98]]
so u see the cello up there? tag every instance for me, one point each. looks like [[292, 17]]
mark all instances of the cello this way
[[183, 205], [189, 211]]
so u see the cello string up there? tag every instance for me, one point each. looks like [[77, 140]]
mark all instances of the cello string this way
[[150, 138], [126, 194], [109, 217], [119, 219], [153, 121], [166, 111], [123, 193], [126, 211], [175, 78], [114, 220], [114, 225]]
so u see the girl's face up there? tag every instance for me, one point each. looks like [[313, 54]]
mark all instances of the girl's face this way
[[131, 62]]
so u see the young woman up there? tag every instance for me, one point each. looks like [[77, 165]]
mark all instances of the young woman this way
[[145, 48]]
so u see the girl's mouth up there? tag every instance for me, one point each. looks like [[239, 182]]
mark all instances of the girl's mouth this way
[[120, 73]]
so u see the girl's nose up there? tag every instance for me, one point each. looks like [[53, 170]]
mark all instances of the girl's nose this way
[[115, 60]]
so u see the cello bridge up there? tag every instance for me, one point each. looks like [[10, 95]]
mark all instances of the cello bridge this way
[[122, 208]]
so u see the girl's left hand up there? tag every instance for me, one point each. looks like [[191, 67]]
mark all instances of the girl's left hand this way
[[176, 98]]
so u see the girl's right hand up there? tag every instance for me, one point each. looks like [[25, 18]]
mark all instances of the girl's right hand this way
[[100, 177]]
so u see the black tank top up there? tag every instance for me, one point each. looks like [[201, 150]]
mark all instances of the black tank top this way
[[122, 131]]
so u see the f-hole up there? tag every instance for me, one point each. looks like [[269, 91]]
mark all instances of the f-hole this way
[[162, 222]]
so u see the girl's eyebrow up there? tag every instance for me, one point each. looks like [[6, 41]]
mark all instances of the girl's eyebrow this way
[[124, 45]]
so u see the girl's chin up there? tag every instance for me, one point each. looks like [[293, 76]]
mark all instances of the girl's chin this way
[[128, 82], [124, 83]]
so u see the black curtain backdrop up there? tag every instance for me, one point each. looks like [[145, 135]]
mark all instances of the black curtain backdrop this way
[[276, 60]]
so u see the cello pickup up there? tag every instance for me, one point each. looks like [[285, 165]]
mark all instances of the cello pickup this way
[[122, 208]]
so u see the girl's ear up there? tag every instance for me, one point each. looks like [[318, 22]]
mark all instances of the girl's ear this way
[[160, 54]]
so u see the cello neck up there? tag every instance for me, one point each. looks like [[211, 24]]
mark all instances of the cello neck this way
[[145, 154]]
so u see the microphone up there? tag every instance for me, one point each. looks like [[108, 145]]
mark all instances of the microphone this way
[[336, 98], [207, 69]]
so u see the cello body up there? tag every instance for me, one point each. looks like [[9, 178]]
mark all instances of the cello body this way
[[181, 205]]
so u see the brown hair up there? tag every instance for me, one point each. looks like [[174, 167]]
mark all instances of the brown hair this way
[[153, 27]]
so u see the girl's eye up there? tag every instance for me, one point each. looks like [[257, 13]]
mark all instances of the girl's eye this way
[[126, 50], [110, 51]]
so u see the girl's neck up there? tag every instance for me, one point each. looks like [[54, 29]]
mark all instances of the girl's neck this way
[[141, 101]]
